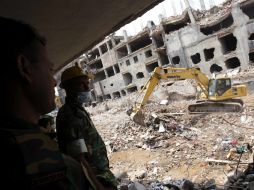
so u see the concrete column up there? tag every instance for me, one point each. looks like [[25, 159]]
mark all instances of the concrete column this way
[[106, 74], [211, 3], [193, 21], [184, 58], [107, 44], [173, 7], [114, 69], [125, 35], [159, 60], [100, 51], [202, 4], [126, 39], [160, 17], [112, 40], [182, 7], [128, 48], [151, 25]]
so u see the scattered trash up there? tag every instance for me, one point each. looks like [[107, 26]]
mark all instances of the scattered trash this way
[[164, 102], [162, 128]]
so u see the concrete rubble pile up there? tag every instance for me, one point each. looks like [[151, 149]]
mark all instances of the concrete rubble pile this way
[[206, 16], [201, 147], [180, 140], [205, 151]]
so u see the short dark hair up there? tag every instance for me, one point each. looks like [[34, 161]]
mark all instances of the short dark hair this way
[[17, 38]]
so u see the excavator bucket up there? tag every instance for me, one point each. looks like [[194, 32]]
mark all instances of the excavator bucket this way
[[138, 118]]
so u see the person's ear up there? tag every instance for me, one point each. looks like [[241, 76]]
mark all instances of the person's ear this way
[[24, 68]]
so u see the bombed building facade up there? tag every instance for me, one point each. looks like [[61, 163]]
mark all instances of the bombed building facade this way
[[216, 40]]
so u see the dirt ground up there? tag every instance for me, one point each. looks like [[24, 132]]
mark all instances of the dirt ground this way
[[178, 145]]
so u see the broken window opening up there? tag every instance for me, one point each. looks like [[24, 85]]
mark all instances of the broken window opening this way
[[158, 40], [176, 60], [227, 22], [122, 52], [215, 68], [107, 96], [248, 9], [103, 48], [148, 53], [140, 42], [135, 59], [95, 54], [251, 36], [232, 63], [127, 78], [163, 57], [251, 58], [117, 68], [110, 71], [195, 58], [128, 62], [209, 54], [117, 40], [110, 44], [140, 75], [96, 65], [99, 76], [150, 68], [171, 27], [123, 92], [132, 89], [116, 95], [228, 43]]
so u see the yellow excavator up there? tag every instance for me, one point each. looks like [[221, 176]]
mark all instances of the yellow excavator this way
[[218, 95]]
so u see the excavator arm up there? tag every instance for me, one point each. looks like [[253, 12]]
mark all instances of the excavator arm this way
[[169, 73], [219, 102], [172, 73]]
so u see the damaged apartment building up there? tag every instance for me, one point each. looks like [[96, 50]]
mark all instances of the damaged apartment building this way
[[215, 40]]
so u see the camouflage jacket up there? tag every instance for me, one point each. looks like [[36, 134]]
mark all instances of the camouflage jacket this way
[[31, 160], [73, 123]]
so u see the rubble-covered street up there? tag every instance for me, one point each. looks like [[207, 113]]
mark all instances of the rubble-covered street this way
[[176, 146]]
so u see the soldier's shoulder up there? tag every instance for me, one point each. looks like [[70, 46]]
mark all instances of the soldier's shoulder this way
[[65, 110]]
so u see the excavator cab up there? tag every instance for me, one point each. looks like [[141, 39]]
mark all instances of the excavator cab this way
[[222, 96], [217, 87]]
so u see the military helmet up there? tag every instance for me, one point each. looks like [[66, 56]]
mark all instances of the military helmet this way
[[73, 72]]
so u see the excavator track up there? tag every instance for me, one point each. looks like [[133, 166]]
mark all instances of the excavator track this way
[[233, 105]]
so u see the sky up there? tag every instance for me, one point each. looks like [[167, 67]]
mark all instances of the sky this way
[[165, 10]]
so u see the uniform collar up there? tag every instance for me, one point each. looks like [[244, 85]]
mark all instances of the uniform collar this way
[[73, 100], [12, 122]]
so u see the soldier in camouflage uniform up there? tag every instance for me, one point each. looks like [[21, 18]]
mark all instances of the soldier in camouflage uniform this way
[[76, 133], [29, 159]]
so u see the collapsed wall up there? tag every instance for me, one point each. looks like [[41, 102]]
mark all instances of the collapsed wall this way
[[216, 40]]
